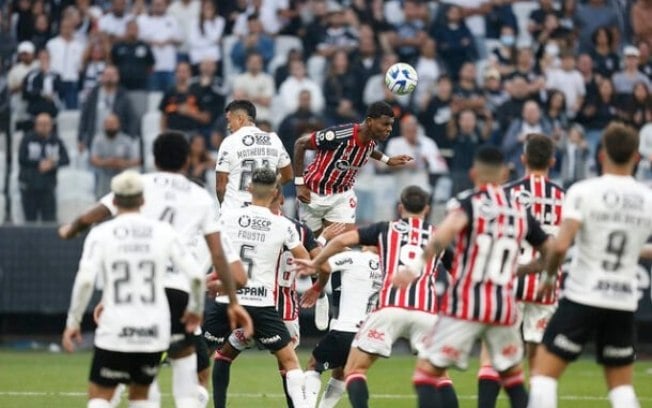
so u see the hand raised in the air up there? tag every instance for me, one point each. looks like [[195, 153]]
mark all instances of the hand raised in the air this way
[[334, 230], [399, 160], [238, 317], [304, 267], [303, 194], [310, 296], [191, 320], [71, 335]]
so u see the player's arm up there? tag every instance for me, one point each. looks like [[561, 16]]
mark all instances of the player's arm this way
[[221, 180], [646, 252], [559, 246], [95, 215], [183, 261], [338, 244], [222, 169], [303, 143], [230, 271], [445, 233], [398, 160], [286, 174]]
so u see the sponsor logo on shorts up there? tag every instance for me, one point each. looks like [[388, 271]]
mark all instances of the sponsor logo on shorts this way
[[617, 352], [510, 350], [150, 371], [352, 202], [113, 374], [374, 334], [270, 340], [541, 324], [566, 344], [450, 352], [130, 331], [212, 338]]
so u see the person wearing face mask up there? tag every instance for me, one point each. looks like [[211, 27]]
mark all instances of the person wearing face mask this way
[[505, 55], [111, 153], [106, 98]]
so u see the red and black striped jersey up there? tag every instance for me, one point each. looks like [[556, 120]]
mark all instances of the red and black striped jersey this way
[[485, 256], [399, 242], [544, 200], [340, 154], [287, 300]]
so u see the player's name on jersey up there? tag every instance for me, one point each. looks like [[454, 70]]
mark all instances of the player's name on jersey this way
[[134, 248], [619, 217], [251, 236], [257, 152], [136, 231], [176, 183]]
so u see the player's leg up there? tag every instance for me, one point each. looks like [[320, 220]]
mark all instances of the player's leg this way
[[203, 368], [334, 389], [355, 374], [222, 372], [535, 320], [108, 369], [506, 352], [288, 360], [332, 352], [99, 396], [488, 381], [295, 334]]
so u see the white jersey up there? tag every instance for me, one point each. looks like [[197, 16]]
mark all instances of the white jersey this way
[[240, 154], [259, 237], [128, 257], [172, 198], [361, 279], [616, 217]]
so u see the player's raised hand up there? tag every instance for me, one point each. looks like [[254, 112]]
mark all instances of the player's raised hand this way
[[303, 194], [333, 230], [310, 296], [71, 335], [191, 320], [97, 312], [238, 317], [399, 160], [304, 267]]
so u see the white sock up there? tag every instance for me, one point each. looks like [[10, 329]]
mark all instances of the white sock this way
[[294, 379], [623, 397], [543, 392], [312, 387], [143, 404], [98, 403], [154, 393], [203, 396], [185, 382], [117, 395], [332, 394]]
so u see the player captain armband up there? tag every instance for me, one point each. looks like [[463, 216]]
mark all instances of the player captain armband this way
[[384, 159], [298, 181]]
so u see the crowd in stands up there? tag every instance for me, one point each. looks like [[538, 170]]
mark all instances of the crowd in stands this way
[[491, 71]]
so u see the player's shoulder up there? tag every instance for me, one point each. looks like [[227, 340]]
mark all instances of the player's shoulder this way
[[338, 132], [461, 198]]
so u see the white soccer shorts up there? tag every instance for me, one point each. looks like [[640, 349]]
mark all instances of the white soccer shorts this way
[[451, 340], [535, 318], [383, 327], [335, 208]]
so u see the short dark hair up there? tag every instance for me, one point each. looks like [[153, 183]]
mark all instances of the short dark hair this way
[[414, 199], [620, 142], [489, 155], [264, 176], [378, 109], [243, 105], [171, 150], [128, 202], [539, 150]]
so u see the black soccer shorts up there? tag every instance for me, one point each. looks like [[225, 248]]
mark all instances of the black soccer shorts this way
[[110, 368], [178, 302], [333, 350], [269, 330], [574, 324]]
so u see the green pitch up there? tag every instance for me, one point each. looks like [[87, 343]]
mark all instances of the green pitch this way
[[35, 379]]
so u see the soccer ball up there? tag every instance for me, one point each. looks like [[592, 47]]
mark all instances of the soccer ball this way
[[401, 78]]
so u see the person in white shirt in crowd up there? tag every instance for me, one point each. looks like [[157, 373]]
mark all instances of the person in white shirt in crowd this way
[[428, 163], [205, 34], [114, 23], [17, 74], [186, 12], [161, 31], [428, 70], [294, 84], [256, 85], [66, 58], [625, 80], [275, 15], [568, 80]]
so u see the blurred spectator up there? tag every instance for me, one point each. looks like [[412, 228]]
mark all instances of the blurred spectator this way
[[605, 60], [526, 69], [597, 112], [205, 35], [199, 160], [187, 14], [43, 88], [114, 22], [255, 40], [339, 34], [344, 113], [437, 113], [555, 112], [209, 90], [639, 106], [474, 12], [645, 61], [180, 106], [96, 57], [567, 14], [112, 152], [466, 92], [256, 85], [641, 15], [299, 122], [512, 107], [538, 17], [428, 70], [585, 67], [624, 80], [41, 34], [500, 15], [365, 62], [161, 31], [428, 163], [315, 30], [105, 99], [494, 93], [278, 16], [530, 121], [84, 17], [66, 54], [340, 86], [409, 35], [575, 157], [25, 63], [455, 41], [592, 15], [568, 80], [40, 154], [294, 84], [283, 71], [504, 57], [553, 32], [465, 138]]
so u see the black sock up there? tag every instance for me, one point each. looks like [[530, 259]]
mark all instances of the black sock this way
[[358, 393], [288, 400], [221, 374], [428, 397], [517, 396], [488, 390], [447, 396]]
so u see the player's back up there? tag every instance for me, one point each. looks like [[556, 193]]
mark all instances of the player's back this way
[[360, 281], [616, 220], [134, 255], [240, 154]]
